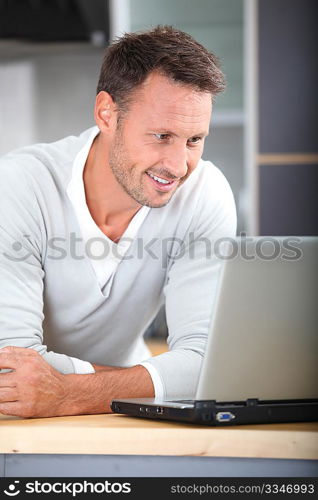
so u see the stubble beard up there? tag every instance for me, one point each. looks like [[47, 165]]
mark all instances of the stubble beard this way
[[120, 165]]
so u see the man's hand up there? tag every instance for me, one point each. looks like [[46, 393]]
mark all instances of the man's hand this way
[[34, 389]]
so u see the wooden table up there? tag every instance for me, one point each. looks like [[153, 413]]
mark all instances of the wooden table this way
[[100, 439], [116, 445]]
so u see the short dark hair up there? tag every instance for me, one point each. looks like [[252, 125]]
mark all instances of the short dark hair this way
[[176, 54]]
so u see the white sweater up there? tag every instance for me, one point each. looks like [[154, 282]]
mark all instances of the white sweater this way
[[51, 299]]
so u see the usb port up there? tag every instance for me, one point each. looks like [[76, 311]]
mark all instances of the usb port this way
[[224, 416], [159, 410]]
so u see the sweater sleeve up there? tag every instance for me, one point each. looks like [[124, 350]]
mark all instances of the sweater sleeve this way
[[22, 245], [191, 288]]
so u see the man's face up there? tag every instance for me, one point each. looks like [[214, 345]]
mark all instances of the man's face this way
[[160, 140]]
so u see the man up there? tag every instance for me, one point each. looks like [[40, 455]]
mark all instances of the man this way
[[72, 320]]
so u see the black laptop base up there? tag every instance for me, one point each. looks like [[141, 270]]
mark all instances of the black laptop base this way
[[211, 413]]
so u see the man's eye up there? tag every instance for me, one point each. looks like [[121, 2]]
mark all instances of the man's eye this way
[[162, 137], [195, 140]]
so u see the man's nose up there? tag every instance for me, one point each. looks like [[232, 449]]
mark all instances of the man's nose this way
[[176, 160]]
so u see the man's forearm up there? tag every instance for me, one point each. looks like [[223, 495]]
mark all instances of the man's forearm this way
[[93, 393], [33, 388]]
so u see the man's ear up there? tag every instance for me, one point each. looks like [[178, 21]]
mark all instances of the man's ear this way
[[105, 111]]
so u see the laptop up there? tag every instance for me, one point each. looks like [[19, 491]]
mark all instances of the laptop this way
[[261, 359]]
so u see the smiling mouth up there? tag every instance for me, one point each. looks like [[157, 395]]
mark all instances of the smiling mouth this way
[[162, 181], [160, 184]]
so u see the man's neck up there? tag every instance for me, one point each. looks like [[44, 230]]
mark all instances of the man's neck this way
[[110, 206]]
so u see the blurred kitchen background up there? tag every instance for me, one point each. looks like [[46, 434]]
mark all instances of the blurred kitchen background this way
[[264, 127]]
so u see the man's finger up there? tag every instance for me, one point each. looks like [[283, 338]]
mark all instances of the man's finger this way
[[12, 409], [12, 348], [8, 395], [7, 379], [8, 360]]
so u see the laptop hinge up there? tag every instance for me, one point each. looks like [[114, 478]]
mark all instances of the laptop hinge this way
[[208, 404], [252, 402]]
